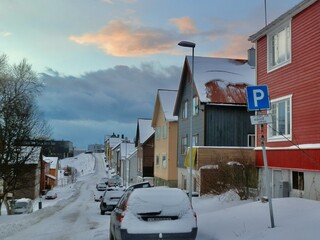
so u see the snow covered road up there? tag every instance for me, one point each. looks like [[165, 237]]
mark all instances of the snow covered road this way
[[75, 217]]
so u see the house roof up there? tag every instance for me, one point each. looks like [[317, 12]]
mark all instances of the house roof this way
[[282, 18], [52, 160], [127, 149], [217, 80], [32, 154], [144, 130], [165, 101]]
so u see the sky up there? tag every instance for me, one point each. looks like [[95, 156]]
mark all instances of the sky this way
[[223, 217], [102, 61]]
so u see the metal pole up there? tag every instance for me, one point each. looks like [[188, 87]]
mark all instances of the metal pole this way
[[267, 177], [191, 116]]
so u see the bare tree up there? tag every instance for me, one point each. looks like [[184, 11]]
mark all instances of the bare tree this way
[[20, 121]]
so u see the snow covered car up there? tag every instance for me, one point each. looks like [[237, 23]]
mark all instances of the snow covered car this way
[[101, 186], [110, 199], [23, 205], [98, 195], [153, 213], [51, 195]]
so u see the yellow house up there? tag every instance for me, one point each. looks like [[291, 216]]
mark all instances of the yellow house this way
[[165, 141]]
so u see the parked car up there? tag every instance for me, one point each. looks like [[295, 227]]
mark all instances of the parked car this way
[[104, 179], [110, 199], [101, 186], [98, 195], [23, 205], [145, 184], [51, 195], [115, 180], [153, 213]]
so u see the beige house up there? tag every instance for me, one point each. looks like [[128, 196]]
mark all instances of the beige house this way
[[165, 143]]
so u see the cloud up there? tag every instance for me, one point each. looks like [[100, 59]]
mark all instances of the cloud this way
[[5, 34], [109, 100], [185, 25], [122, 39], [235, 46]]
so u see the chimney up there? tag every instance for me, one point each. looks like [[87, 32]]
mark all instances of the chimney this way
[[252, 57]]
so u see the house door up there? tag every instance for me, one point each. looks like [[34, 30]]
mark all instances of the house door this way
[[277, 179]]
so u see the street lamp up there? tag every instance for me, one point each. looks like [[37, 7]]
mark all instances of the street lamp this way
[[190, 45]]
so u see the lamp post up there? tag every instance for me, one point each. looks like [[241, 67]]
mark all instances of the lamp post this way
[[190, 45]]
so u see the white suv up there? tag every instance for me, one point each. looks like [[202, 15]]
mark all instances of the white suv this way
[[23, 205]]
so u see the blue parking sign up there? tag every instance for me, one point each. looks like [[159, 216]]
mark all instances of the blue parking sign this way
[[258, 98]]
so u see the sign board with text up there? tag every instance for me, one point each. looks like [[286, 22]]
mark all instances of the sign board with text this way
[[261, 119], [258, 98]]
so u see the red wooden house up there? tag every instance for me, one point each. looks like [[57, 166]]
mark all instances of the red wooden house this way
[[288, 51]]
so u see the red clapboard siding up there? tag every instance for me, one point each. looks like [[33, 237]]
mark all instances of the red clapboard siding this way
[[301, 78], [306, 159]]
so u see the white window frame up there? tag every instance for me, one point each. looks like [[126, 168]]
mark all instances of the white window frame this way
[[185, 110], [251, 140], [157, 160], [184, 145], [195, 106], [288, 46], [158, 132], [195, 140], [164, 160], [164, 131], [288, 129]]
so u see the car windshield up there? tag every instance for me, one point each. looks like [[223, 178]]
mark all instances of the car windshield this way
[[20, 205], [146, 200]]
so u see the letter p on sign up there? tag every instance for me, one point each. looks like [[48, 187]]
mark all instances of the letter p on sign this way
[[258, 98]]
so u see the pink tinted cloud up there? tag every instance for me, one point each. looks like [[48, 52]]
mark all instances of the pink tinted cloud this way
[[185, 25], [236, 46], [121, 39]]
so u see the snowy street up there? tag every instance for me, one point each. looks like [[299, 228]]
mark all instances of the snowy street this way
[[74, 215], [77, 217]]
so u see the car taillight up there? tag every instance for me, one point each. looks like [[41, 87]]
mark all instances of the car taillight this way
[[120, 217]]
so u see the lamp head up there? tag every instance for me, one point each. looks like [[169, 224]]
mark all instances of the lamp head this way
[[187, 44]]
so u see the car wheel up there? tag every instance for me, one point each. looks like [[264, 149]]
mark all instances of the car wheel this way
[[102, 212]]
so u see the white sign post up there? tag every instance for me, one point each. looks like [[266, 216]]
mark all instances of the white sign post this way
[[257, 100]]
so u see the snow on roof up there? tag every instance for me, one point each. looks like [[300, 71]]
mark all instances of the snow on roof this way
[[145, 129], [222, 80], [52, 160], [167, 99], [34, 154], [127, 149], [114, 141]]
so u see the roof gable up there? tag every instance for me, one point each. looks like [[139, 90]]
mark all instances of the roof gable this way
[[221, 80], [281, 19], [165, 103], [144, 130]]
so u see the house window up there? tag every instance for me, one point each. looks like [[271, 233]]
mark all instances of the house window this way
[[184, 145], [185, 110], [279, 44], [298, 180], [158, 133], [280, 128], [164, 161], [164, 132], [195, 140], [195, 108], [157, 160], [251, 140]]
